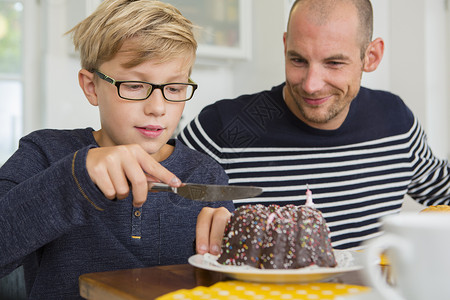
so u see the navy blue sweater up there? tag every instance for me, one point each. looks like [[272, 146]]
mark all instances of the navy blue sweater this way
[[357, 173], [58, 224]]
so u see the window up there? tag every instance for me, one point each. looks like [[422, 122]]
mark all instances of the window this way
[[11, 75], [20, 78]]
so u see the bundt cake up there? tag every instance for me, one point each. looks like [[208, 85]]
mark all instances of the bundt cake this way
[[274, 237]]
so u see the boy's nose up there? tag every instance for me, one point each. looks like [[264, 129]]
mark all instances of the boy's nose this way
[[155, 104]]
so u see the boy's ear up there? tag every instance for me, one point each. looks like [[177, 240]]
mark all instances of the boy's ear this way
[[374, 54], [86, 81]]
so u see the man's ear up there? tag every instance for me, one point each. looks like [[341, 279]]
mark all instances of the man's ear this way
[[86, 81], [374, 54]]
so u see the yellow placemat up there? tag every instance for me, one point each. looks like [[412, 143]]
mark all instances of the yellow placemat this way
[[235, 290]]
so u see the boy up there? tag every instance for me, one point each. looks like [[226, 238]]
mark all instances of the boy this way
[[77, 201]]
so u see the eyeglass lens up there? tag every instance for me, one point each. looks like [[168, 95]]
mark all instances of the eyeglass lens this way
[[141, 90]]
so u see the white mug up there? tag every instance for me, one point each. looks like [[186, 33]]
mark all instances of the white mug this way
[[417, 246]]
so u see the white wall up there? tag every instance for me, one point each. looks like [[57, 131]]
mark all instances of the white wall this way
[[418, 65], [414, 65], [64, 101]]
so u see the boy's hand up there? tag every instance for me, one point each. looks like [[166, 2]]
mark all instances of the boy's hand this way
[[115, 169], [211, 224]]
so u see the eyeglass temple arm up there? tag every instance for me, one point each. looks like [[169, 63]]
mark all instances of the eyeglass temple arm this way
[[105, 77]]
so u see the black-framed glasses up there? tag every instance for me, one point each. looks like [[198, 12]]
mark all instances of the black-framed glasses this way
[[141, 90]]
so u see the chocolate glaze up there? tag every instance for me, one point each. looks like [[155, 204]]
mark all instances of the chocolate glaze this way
[[274, 237]]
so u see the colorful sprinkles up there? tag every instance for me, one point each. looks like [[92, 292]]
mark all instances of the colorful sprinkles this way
[[274, 237]]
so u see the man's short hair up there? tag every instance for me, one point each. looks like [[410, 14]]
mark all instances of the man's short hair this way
[[365, 16]]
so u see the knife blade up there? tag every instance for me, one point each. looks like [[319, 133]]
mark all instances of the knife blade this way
[[208, 192]]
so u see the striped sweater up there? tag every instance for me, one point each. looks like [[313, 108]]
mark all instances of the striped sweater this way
[[357, 173]]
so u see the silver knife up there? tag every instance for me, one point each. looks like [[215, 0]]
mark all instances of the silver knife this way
[[208, 192]]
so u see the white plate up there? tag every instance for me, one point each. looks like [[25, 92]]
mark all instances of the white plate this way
[[347, 261], [370, 295]]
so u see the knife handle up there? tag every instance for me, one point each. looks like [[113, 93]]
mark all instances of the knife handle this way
[[160, 187]]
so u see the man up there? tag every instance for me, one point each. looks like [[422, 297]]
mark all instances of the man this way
[[360, 151]]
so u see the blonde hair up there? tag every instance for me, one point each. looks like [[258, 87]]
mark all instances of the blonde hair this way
[[156, 30]]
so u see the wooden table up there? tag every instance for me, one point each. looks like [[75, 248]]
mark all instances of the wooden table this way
[[149, 283]]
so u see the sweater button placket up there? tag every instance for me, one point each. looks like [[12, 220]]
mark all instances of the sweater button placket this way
[[136, 219]]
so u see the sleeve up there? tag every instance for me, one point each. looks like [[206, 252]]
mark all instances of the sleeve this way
[[40, 201], [221, 178], [430, 184], [202, 169]]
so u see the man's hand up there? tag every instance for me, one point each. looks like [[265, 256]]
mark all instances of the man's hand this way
[[115, 169], [211, 224]]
